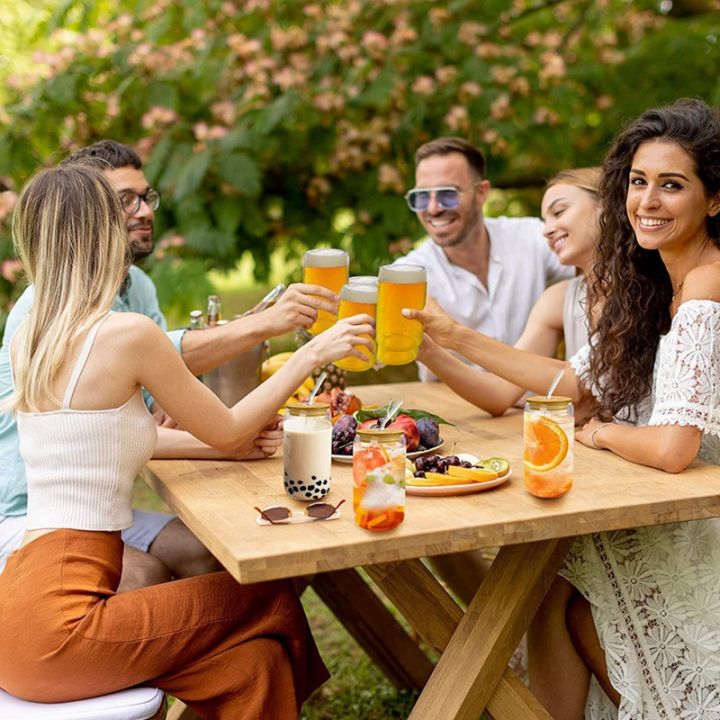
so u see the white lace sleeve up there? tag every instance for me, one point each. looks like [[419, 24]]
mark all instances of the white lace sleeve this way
[[580, 363], [687, 371]]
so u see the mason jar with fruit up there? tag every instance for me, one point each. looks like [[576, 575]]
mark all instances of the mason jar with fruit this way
[[548, 454], [379, 478]]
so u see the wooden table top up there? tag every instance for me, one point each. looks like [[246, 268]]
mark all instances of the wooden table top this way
[[216, 498]]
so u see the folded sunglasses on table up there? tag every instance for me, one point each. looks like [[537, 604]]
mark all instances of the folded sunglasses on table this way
[[280, 515]]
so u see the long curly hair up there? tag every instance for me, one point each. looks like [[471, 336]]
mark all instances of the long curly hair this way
[[632, 283]]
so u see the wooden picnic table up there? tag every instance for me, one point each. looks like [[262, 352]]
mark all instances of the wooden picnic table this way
[[216, 499]]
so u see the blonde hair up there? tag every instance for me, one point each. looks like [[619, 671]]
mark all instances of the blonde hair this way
[[69, 231], [587, 178]]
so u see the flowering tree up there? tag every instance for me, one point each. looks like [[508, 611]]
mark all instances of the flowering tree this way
[[277, 123]]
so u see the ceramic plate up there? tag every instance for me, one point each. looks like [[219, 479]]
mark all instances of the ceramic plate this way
[[411, 455], [465, 489]]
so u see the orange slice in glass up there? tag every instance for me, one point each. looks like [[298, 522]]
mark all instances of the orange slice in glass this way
[[546, 444]]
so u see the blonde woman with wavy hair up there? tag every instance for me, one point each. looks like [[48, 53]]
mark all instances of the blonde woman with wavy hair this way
[[228, 651], [76, 276]]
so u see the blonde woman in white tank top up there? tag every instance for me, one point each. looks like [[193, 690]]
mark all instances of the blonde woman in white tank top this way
[[229, 651], [570, 210]]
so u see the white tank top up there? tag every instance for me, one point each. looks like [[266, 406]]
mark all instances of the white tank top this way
[[81, 464]]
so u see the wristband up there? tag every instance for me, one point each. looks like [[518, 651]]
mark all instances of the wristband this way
[[595, 432]]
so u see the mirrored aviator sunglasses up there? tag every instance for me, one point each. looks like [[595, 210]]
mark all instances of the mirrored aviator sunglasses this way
[[447, 198], [279, 515]]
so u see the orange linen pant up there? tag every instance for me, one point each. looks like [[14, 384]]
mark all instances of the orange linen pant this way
[[229, 651]]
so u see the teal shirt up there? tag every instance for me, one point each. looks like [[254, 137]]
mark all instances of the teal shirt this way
[[138, 296]]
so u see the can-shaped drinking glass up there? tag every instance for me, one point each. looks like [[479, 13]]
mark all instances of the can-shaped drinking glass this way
[[379, 479], [329, 268], [307, 437], [548, 455], [400, 286], [354, 300]]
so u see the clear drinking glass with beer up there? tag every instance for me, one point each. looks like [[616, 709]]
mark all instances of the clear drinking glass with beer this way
[[329, 268], [354, 300], [399, 286]]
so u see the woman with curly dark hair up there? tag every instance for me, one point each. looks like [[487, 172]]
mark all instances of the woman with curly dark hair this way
[[640, 611]]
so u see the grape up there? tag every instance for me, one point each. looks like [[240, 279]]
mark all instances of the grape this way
[[466, 464], [419, 474]]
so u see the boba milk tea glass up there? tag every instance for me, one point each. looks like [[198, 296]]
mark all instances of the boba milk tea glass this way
[[354, 300], [328, 268], [398, 339], [307, 437]]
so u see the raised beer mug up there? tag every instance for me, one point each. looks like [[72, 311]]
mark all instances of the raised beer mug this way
[[307, 440], [354, 300], [398, 338], [329, 268]]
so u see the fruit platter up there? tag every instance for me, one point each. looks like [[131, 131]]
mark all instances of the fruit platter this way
[[460, 474], [420, 428]]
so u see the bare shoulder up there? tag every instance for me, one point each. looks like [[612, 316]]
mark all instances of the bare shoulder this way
[[552, 301], [702, 283], [132, 329]]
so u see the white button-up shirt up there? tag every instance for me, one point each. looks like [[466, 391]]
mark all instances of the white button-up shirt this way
[[521, 267]]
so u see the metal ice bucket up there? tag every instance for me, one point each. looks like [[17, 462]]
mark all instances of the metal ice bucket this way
[[234, 379]]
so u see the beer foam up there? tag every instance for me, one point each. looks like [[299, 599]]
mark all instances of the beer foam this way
[[402, 274], [355, 292], [363, 280], [329, 257]]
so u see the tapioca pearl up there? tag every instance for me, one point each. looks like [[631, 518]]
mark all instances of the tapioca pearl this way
[[303, 488], [311, 487], [313, 477]]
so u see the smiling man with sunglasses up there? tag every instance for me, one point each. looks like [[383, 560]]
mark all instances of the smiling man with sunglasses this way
[[485, 272]]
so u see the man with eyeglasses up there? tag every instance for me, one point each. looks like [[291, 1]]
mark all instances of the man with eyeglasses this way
[[158, 547], [487, 273]]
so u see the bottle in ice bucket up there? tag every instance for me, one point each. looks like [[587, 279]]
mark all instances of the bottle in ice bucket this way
[[214, 313], [307, 437], [379, 479], [548, 457]]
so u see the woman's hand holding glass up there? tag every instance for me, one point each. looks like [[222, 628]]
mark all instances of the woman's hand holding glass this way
[[342, 339], [436, 322]]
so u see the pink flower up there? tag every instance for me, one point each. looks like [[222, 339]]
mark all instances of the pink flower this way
[[11, 270], [446, 74], [500, 107], [457, 118], [389, 179], [8, 200], [424, 85]]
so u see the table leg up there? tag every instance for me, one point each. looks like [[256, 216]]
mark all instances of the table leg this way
[[435, 616], [374, 628], [467, 675]]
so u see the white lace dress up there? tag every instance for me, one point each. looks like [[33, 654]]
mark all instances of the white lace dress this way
[[655, 591]]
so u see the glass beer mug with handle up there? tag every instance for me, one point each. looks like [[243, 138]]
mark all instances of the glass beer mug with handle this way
[[354, 300], [399, 286], [329, 268]]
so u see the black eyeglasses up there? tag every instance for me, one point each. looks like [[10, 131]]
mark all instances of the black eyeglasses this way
[[446, 196], [279, 515], [130, 200]]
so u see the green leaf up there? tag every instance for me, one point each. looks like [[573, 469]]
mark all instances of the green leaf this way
[[163, 94], [192, 174], [377, 413], [228, 213], [241, 172]]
